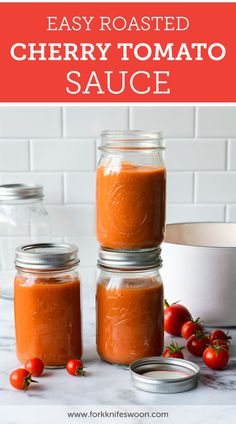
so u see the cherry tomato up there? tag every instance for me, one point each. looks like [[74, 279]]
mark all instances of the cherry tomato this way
[[219, 335], [174, 351], [175, 316], [197, 343], [219, 342], [21, 379], [190, 327], [75, 367], [216, 357], [35, 366]]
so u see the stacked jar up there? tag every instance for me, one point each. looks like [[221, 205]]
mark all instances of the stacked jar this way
[[131, 196]]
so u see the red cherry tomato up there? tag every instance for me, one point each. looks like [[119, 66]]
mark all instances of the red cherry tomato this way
[[197, 343], [219, 342], [219, 335], [35, 366], [21, 379], [75, 367], [190, 327], [216, 357], [174, 351], [175, 316]]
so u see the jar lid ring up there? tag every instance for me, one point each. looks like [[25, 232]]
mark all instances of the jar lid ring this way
[[132, 260], [46, 256]]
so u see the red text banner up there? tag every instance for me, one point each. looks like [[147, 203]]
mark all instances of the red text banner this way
[[117, 52]]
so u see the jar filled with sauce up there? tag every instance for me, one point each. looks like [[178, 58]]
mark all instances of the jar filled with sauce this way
[[47, 303], [129, 305], [131, 190]]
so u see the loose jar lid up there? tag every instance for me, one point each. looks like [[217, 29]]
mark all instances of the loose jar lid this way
[[164, 375], [46, 256], [130, 259], [11, 192]]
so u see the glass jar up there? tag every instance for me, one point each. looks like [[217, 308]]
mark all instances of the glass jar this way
[[129, 305], [47, 303], [131, 190], [23, 219]]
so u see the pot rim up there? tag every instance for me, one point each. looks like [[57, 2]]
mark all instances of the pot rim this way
[[200, 245]]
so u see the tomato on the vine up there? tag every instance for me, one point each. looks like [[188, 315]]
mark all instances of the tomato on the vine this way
[[216, 357], [219, 335], [174, 351], [197, 343], [190, 327], [35, 366], [175, 316], [21, 379], [75, 367], [218, 342]]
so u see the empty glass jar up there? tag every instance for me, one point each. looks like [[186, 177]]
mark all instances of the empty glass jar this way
[[23, 219]]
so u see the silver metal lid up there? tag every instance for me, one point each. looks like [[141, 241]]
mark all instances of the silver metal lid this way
[[164, 375], [11, 192], [46, 256], [130, 259]]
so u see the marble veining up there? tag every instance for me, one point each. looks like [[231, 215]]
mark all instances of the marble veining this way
[[105, 384]]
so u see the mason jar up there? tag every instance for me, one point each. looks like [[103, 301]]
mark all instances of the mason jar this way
[[129, 304], [47, 303], [23, 219], [131, 190]]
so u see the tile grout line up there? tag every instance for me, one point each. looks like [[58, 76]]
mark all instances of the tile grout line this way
[[129, 118], [226, 217], [49, 171], [63, 122], [64, 195], [72, 205], [92, 204], [227, 152], [194, 187], [30, 155], [195, 121], [95, 154], [89, 137]]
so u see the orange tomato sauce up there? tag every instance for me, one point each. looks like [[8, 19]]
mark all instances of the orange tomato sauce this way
[[130, 206], [129, 323], [47, 320]]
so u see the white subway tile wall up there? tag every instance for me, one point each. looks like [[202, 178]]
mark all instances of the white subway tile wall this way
[[14, 155], [63, 154], [180, 187], [89, 121], [73, 220], [196, 154], [172, 121], [57, 146], [216, 121], [29, 122]]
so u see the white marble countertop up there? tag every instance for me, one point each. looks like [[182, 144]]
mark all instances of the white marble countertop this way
[[105, 384]]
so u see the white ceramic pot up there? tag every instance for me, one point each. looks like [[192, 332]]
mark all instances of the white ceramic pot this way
[[199, 270]]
